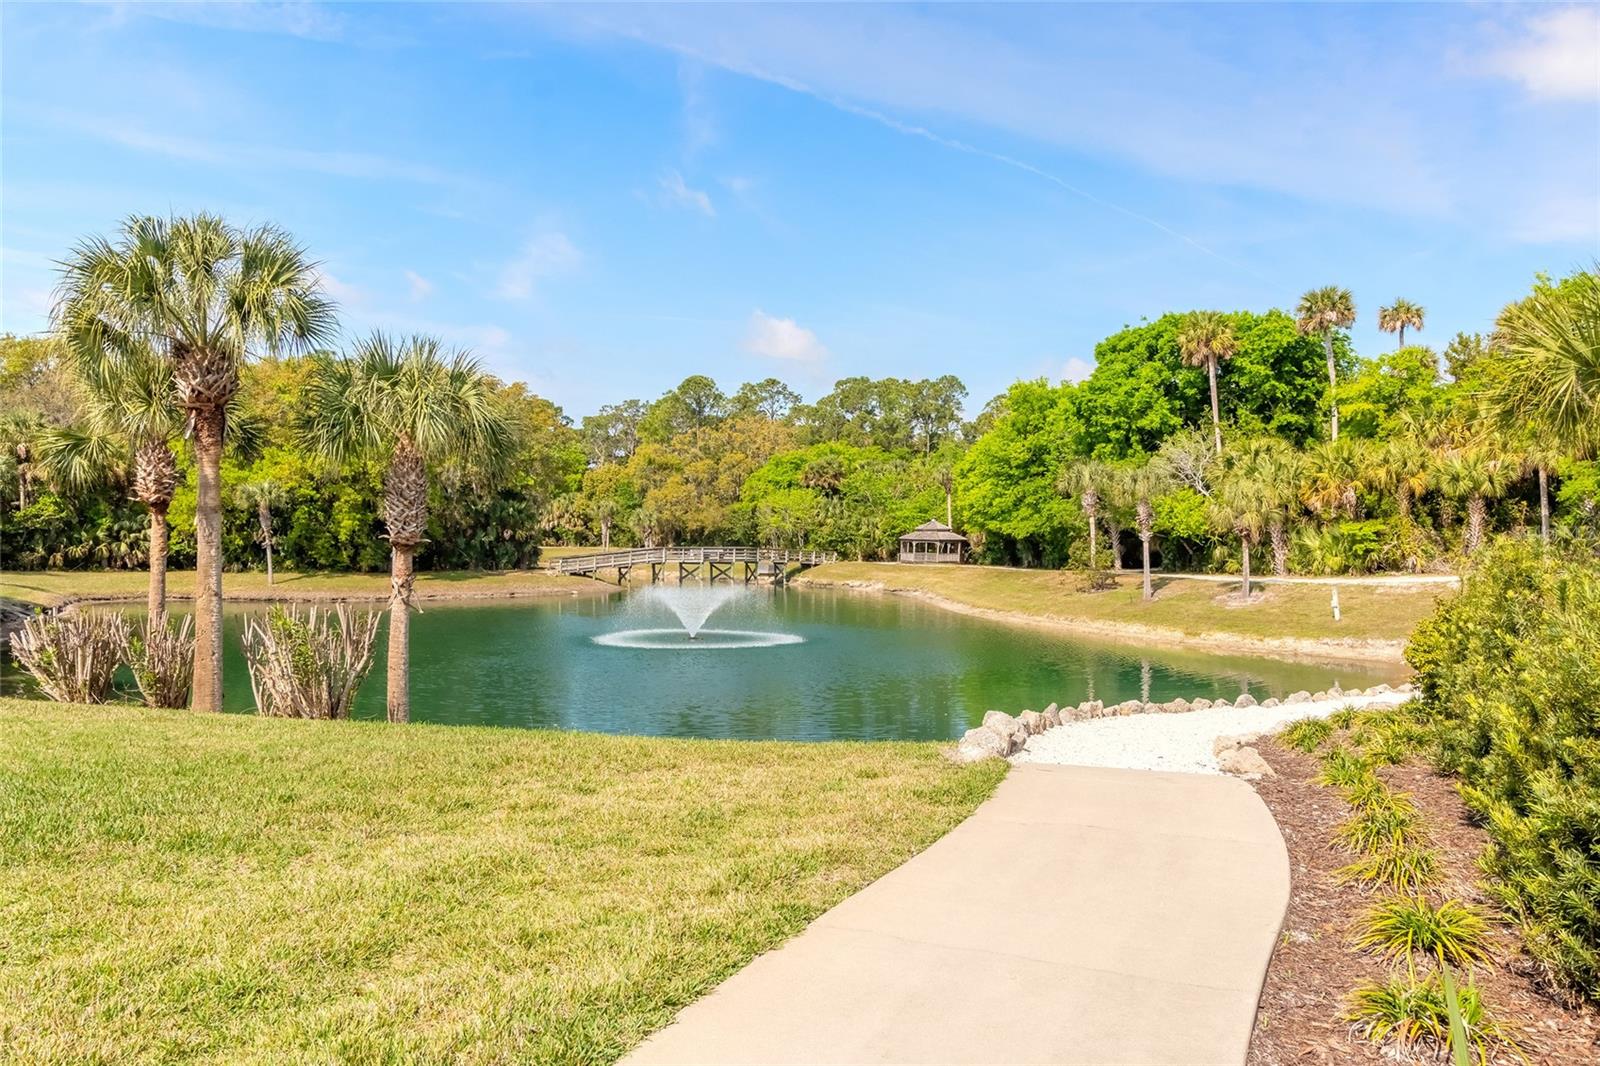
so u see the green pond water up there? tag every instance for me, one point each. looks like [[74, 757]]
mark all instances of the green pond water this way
[[788, 664]]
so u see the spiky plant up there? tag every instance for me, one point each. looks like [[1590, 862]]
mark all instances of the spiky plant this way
[[1476, 475], [1411, 1012], [1344, 769], [1399, 864], [72, 655], [1142, 485], [1320, 313], [309, 664], [1399, 317], [1402, 926], [161, 655], [1307, 734], [1382, 823], [203, 296], [1205, 339], [410, 405]]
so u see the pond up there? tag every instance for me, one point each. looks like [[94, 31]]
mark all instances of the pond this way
[[788, 664]]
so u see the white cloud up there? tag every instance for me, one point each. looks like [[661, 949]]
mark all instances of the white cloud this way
[[1076, 368], [546, 256], [1557, 56], [676, 191], [421, 288], [782, 338], [342, 291]]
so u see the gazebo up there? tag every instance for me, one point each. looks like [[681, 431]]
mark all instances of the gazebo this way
[[933, 542]]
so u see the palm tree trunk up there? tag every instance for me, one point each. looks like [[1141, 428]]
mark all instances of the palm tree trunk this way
[[157, 604], [949, 509], [1402, 499], [1245, 542], [1092, 563], [1216, 412], [1144, 547], [1402, 343], [401, 576], [264, 516], [1544, 504], [605, 534], [1280, 547], [1477, 514], [1333, 402], [1116, 544], [208, 426]]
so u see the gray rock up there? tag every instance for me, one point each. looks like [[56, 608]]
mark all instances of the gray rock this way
[[1379, 690], [1200, 704], [1150, 708], [1335, 691], [1239, 740], [1270, 701], [1052, 716], [1180, 706], [1245, 700], [1298, 697], [1319, 697], [1244, 762], [1220, 703], [1128, 707], [1007, 728], [979, 744], [1355, 692], [1032, 721]]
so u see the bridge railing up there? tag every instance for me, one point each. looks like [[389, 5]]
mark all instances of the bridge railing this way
[[584, 564]]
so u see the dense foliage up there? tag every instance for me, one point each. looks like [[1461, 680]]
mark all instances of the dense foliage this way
[[1510, 673]]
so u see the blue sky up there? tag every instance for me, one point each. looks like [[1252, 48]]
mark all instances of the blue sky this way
[[601, 200]]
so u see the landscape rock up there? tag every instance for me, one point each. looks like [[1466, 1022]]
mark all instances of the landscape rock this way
[[1052, 716], [1007, 728], [1298, 697], [1220, 704], [1032, 721], [1244, 762], [979, 744], [1319, 697], [1238, 740], [1378, 690], [1271, 701], [1179, 706], [1128, 707], [1245, 700], [1200, 704], [1150, 708], [1355, 692]]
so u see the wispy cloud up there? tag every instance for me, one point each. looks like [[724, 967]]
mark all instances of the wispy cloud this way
[[1555, 54], [547, 255], [420, 288], [1076, 368], [782, 338], [677, 192], [307, 20]]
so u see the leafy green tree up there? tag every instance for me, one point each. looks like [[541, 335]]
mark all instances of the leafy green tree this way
[[1399, 317], [612, 435], [1321, 313], [767, 398], [412, 406], [1206, 338], [1385, 394], [205, 296], [1007, 480], [696, 403], [1276, 472]]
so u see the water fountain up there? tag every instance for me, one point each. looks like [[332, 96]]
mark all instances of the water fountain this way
[[693, 606]]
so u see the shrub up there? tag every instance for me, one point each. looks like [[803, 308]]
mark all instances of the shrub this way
[[1412, 1012], [1343, 769], [161, 655], [73, 655], [1397, 864], [1510, 678], [303, 666], [1307, 734], [1380, 823], [1405, 925]]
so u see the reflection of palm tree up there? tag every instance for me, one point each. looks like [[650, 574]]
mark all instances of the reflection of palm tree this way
[[1205, 338], [200, 294], [1320, 313], [1398, 317], [411, 405]]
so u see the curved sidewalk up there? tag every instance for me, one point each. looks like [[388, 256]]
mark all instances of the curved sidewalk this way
[[1081, 915]]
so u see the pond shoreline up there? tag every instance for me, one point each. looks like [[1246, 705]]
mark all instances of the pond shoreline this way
[[1293, 649]]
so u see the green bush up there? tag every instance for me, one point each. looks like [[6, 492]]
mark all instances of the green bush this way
[[1510, 677]]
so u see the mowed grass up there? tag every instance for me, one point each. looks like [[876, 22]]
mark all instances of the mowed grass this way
[[1183, 605], [50, 588], [236, 889]]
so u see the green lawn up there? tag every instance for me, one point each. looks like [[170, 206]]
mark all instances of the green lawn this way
[[1185, 606], [51, 587], [237, 889]]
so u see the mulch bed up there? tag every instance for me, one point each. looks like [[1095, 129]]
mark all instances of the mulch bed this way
[[1300, 1021]]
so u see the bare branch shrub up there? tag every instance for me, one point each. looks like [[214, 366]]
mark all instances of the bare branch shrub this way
[[160, 653], [309, 664], [73, 655]]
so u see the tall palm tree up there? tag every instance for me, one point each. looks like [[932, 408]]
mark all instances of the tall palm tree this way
[[410, 405], [1400, 316], [130, 407], [263, 495], [1205, 338], [1143, 484], [1549, 382], [1240, 508], [1278, 470], [204, 296], [1476, 475], [19, 440], [1320, 313], [1086, 479]]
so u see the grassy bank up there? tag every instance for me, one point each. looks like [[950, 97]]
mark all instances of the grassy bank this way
[[50, 588], [238, 889], [1182, 607]]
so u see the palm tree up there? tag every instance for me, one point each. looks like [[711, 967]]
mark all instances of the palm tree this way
[[19, 439], [1240, 508], [263, 495], [130, 406], [1278, 470], [1086, 479], [946, 477], [1334, 474], [1328, 551], [1320, 313], [1398, 317], [410, 405], [204, 296], [1142, 485], [1475, 475], [1551, 346], [1205, 338]]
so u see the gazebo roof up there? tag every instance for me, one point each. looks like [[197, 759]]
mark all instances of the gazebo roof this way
[[933, 531]]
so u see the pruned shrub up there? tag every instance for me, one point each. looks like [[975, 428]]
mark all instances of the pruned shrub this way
[[73, 655], [160, 652], [1510, 678], [308, 664]]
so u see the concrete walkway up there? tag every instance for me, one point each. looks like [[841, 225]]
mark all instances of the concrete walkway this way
[[1081, 915]]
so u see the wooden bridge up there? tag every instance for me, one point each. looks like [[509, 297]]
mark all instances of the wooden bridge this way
[[716, 563]]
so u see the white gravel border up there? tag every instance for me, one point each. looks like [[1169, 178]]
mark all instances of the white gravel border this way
[[1181, 742]]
